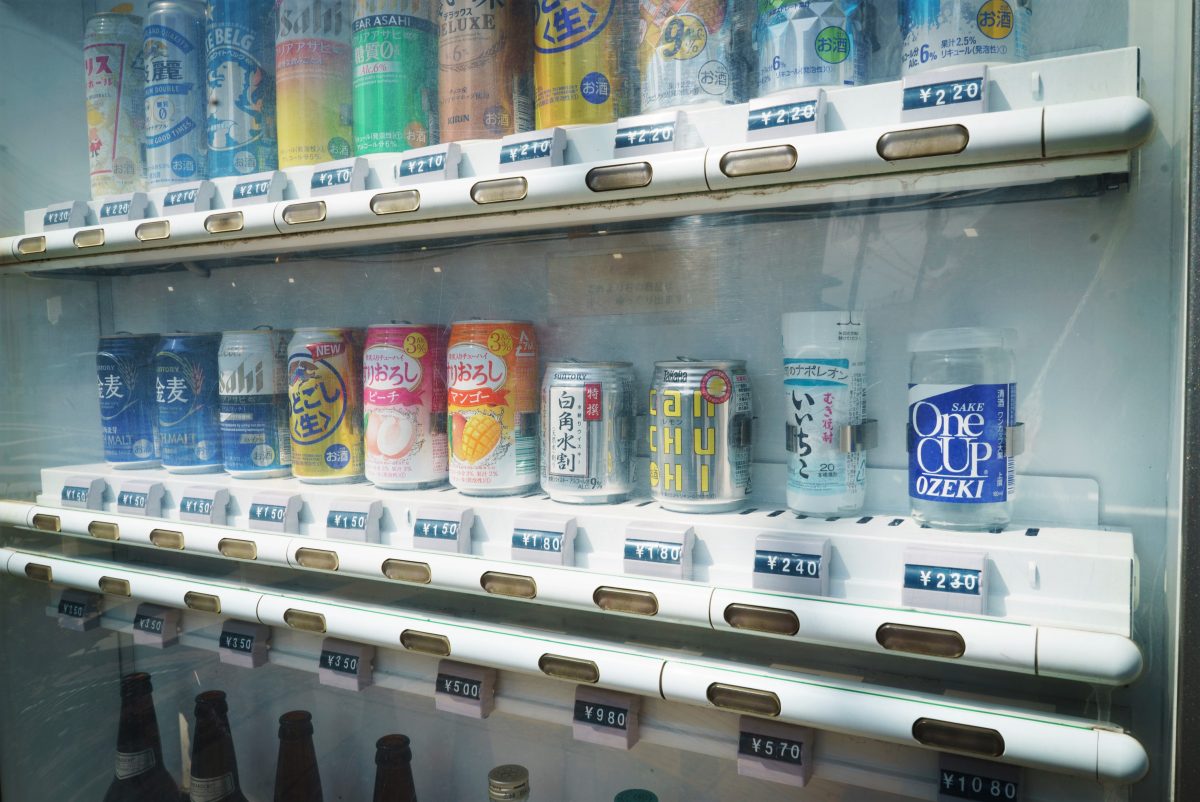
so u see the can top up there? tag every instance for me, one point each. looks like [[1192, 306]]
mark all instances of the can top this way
[[573, 364], [188, 335], [402, 324], [686, 363], [475, 322], [339, 330], [190, 5], [961, 339], [507, 781], [128, 336], [833, 330]]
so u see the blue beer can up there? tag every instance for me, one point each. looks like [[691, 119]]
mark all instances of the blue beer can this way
[[239, 47], [173, 51], [186, 386], [128, 417]]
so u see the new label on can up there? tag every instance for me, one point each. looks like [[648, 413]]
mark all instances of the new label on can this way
[[700, 435], [312, 82], [949, 33], [576, 61], [173, 50], [492, 404], [254, 403], [185, 386], [799, 43], [128, 414], [686, 55], [404, 395], [116, 114], [239, 45], [588, 426], [325, 403], [395, 75], [484, 70]]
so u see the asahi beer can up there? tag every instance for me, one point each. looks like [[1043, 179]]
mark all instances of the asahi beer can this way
[[686, 54], [801, 43], [312, 81], [255, 443], [485, 78], [116, 114], [186, 377], [588, 430], [700, 435], [492, 404], [173, 50], [576, 61], [239, 46], [128, 414], [325, 404], [395, 75], [949, 33], [404, 399]]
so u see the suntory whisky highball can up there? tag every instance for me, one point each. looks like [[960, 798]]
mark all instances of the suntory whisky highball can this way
[[325, 404]]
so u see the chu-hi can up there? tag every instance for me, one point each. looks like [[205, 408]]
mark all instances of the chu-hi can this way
[[492, 405], [116, 112], [799, 43], [325, 405], [687, 55], [176, 92], [255, 441], [239, 46], [128, 415], [395, 75], [576, 61], [312, 81], [587, 420], [404, 400], [485, 77], [186, 375], [700, 435], [951, 33]]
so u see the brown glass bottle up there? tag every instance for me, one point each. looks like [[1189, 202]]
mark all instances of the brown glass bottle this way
[[140, 774], [296, 775], [214, 766], [393, 772]]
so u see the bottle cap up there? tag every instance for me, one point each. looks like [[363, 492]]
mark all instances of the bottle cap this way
[[295, 724], [509, 781], [838, 330], [136, 684], [214, 700], [636, 795], [393, 749], [961, 339]]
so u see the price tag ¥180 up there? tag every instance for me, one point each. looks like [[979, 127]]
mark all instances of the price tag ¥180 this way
[[544, 539]]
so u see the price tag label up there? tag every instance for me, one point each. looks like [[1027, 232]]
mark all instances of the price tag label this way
[[354, 519], [83, 493], [78, 610], [945, 579], [194, 197], [791, 563], [344, 664], [72, 214], [787, 563], [537, 540], [344, 175], [206, 505], [781, 750], [237, 642], [941, 579], [268, 513], [659, 549], [532, 150], [266, 187], [72, 609], [605, 717], [654, 551], [458, 686], [243, 643], [975, 780], [467, 690], [793, 114], [275, 512], [156, 626], [437, 163], [601, 715], [776, 752], [140, 498], [646, 134], [148, 623], [952, 92], [442, 529], [121, 208], [544, 539]]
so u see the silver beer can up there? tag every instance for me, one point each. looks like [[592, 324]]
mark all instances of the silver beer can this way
[[802, 43], [700, 435], [255, 438], [176, 93], [587, 432]]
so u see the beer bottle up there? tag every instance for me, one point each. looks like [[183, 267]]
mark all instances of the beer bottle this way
[[508, 783], [140, 774], [296, 775], [393, 773], [214, 766]]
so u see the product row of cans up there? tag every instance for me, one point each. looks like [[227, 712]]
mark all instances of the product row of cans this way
[[414, 406], [233, 87]]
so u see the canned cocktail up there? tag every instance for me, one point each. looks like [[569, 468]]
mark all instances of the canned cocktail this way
[[185, 384], [116, 111], [395, 75], [801, 44], [949, 33], [173, 49], [254, 404], [687, 56], [128, 415], [576, 61], [312, 81], [325, 401], [485, 77]]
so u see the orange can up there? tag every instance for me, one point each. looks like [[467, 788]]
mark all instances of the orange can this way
[[492, 405]]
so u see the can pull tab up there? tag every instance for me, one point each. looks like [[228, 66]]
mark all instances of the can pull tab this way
[[686, 359]]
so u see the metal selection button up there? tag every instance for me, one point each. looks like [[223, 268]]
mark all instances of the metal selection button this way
[[39, 572], [155, 229], [921, 640], [89, 238], [224, 222], [500, 189], [47, 523], [619, 176], [958, 737], [569, 668], [407, 200], [104, 530], [203, 602], [114, 586], [500, 584], [407, 571], [317, 558], [304, 620], [917, 143], [743, 700], [623, 600], [308, 212], [425, 642], [167, 539], [31, 245], [758, 161], [762, 619], [238, 549]]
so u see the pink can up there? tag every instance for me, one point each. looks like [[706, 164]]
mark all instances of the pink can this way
[[404, 394]]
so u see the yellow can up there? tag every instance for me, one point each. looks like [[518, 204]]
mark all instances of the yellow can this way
[[312, 82], [325, 396], [576, 61]]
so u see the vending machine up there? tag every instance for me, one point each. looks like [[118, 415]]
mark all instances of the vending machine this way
[[597, 400]]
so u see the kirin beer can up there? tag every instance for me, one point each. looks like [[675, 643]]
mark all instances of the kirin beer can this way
[[485, 78], [404, 399], [325, 403], [576, 62], [395, 75], [800, 43], [312, 81], [239, 46], [492, 404], [128, 415], [949, 33], [116, 113], [687, 54], [255, 439], [173, 49], [186, 374], [588, 426], [700, 435]]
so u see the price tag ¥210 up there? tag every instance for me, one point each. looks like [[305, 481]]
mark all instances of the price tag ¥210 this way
[[532, 150], [343, 175], [436, 163]]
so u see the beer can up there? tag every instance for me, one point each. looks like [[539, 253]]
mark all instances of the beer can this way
[[255, 439], [186, 374], [485, 80], [173, 50], [687, 54], [116, 114], [700, 435], [492, 405], [949, 33], [312, 82], [404, 400], [395, 75], [576, 61], [588, 426], [239, 46], [325, 403], [128, 415], [799, 43]]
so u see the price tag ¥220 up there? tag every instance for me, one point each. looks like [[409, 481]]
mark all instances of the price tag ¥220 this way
[[949, 92], [786, 114], [647, 133]]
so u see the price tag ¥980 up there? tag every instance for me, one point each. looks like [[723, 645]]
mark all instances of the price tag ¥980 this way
[[605, 717]]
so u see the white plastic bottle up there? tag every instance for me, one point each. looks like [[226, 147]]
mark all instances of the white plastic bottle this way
[[962, 398], [824, 377]]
